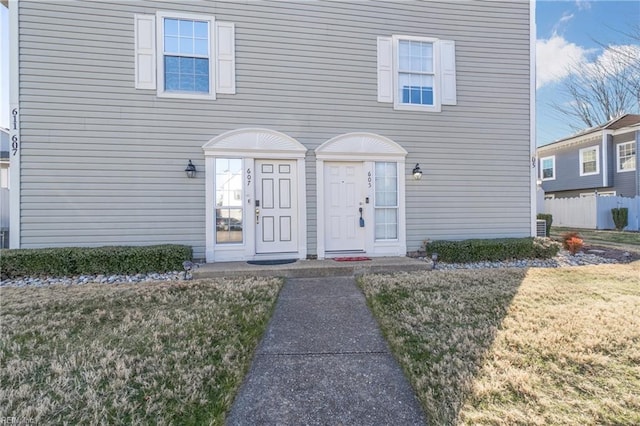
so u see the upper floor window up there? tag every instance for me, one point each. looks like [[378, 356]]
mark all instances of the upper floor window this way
[[589, 164], [184, 55], [416, 73], [187, 53], [627, 156], [548, 168]]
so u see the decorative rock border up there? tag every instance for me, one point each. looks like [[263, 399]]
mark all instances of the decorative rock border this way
[[563, 259]]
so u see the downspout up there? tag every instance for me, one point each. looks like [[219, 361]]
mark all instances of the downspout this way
[[532, 116], [14, 126]]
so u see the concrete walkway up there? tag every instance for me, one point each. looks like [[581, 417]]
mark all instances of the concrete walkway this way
[[324, 361]]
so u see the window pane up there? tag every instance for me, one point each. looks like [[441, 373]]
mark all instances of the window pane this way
[[202, 83], [186, 46], [171, 27], [229, 226], [172, 64], [416, 89], [201, 29], [171, 44], [186, 28], [386, 224], [201, 47], [201, 66]]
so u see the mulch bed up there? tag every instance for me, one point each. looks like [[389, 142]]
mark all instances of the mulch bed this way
[[620, 255]]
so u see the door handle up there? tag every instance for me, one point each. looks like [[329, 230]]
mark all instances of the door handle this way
[[257, 216]]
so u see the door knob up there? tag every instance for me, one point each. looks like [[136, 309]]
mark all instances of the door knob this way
[[257, 216]]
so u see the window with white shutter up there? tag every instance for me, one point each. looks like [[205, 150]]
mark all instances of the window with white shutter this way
[[184, 55], [416, 73]]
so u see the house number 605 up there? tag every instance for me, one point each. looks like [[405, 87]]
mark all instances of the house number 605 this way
[[369, 179]]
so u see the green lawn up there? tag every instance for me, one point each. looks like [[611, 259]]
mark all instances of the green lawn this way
[[617, 239], [505, 347], [153, 353]]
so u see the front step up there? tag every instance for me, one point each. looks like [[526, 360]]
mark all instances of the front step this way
[[313, 268]]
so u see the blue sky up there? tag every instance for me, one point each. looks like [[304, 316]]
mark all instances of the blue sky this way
[[570, 31], [567, 30]]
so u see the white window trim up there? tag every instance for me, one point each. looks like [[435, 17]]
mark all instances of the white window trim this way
[[160, 15], [618, 157], [553, 159], [437, 106], [581, 162]]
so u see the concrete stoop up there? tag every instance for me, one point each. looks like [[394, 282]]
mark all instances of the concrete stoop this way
[[314, 268]]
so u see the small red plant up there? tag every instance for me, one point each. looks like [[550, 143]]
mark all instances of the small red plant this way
[[567, 236], [574, 244]]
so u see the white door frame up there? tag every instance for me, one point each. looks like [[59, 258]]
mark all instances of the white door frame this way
[[251, 144], [366, 148]]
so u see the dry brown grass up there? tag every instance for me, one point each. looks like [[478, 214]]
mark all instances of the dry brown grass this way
[[153, 353], [505, 347]]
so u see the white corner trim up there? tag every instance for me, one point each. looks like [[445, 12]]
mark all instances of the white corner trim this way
[[532, 113], [15, 219]]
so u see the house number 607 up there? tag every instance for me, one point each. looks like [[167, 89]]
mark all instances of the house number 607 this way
[[248, 177], [14, 144]]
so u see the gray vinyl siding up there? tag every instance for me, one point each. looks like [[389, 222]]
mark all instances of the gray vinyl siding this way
[[103, 163], [626, 183]]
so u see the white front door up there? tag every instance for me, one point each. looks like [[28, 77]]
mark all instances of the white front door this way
[[343, 203], [276, 206]]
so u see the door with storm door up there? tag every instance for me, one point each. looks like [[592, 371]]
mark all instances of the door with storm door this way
[[276, 206], [343, 203]]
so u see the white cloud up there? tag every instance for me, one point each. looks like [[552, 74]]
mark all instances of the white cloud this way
[[583, 4], [554, 58]]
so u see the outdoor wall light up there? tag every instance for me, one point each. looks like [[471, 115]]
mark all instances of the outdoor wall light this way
[[190, 170], [417, 173]]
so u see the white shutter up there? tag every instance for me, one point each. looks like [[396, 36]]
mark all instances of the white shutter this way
[[145, 50], [448, 72], [225, 58], [385, 69]]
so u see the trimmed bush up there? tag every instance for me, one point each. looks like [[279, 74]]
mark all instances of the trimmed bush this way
[[68, 261], [547, 218], [492, 250], [620, 218]]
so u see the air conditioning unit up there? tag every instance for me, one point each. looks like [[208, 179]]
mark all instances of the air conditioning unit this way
[[541, 228]]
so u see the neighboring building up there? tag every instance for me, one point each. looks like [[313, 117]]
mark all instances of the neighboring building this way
[[602, 160], [4, 158], [305, 121]]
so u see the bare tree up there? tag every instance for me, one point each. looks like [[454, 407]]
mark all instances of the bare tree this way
[[606, 88]]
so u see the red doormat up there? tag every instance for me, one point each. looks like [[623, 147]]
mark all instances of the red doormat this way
[[351, 259]]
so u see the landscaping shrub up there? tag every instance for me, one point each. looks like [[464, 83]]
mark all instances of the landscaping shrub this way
[[567, 236], [492, 250], [547, 218], [93, 260], [574, 245], [620, 218]]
